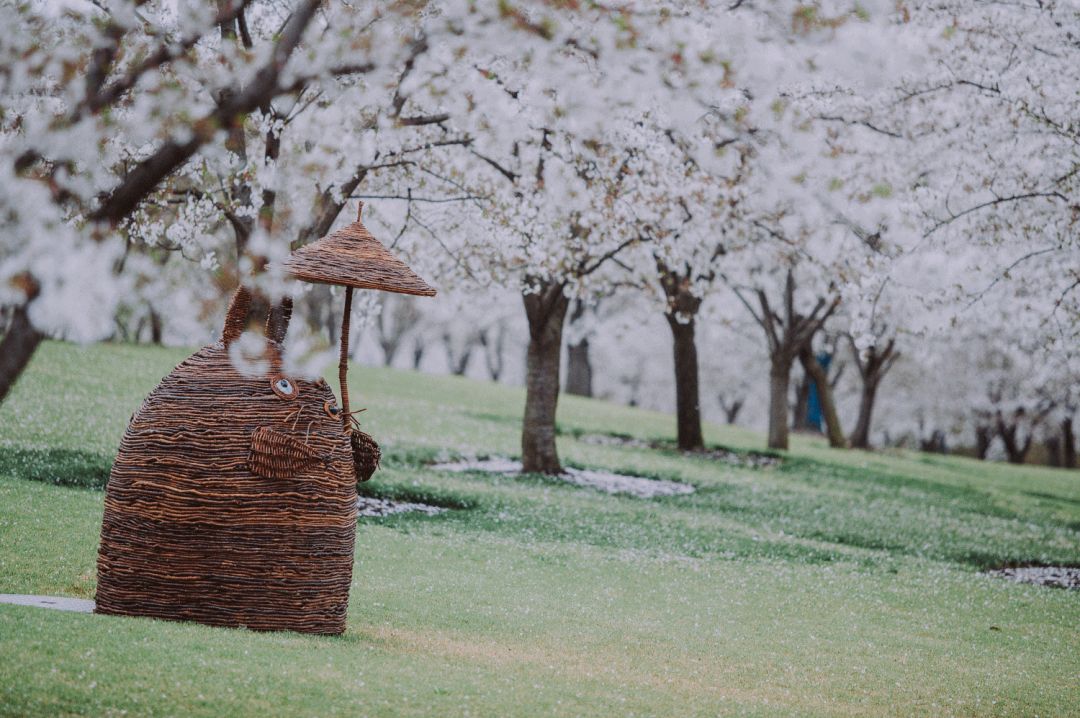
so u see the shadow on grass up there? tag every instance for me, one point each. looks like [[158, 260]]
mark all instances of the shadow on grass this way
[[416, 495], [61, 467]]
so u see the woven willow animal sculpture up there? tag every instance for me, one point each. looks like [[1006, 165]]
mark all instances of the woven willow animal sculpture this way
[[232, 500]]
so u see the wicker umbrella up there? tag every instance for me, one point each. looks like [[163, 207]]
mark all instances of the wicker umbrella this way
[[354, 259]]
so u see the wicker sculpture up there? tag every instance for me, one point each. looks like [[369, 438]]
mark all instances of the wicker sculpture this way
[[232, 500]]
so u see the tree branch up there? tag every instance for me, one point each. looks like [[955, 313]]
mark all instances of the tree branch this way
[[148, 173]]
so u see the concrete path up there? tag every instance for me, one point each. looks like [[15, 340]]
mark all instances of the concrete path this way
[[59, 603]]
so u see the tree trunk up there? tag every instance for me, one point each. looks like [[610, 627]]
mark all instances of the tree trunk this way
[[731, 409], [800, 415], [156, 328], [825, 395], [873, 365], [936, 444], [779, 378], [1068, 444], [860, 437], [682, 308], [1015, 451], [457, 363], [1053, 451], [1016, 454], [417, 354], [983, 437], [687, 390], [18, 345], [578, 367], [546, 312], [492, 340], [390, 349]]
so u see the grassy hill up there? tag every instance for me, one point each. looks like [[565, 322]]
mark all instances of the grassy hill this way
[[837, 583]]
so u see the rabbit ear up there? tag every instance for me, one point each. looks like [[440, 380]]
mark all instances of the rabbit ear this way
[[236, 317], [277, 322]]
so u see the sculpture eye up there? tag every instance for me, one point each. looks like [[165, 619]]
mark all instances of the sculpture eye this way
[[284, 388], [332, 410]]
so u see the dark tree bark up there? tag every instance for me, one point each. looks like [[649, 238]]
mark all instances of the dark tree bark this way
[[817, 373], [936, 443], [687, 390], [873, 365], [578, 367], [984, 436], [860, 437], [417, 353], [156, 327], [779, 379], [493, 341], [389, 348], [17, 347], [800, 414], [785, 334], [458, 362], [1053, 450], [546, 311], [1016, 449], [731, 408], [1068, 444], [682, 309]]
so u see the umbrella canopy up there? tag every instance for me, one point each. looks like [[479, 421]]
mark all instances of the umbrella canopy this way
[[353, 258]]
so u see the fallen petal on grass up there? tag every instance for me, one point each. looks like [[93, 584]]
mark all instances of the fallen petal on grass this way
[[1054, 576], [606, 481], [373, 507]]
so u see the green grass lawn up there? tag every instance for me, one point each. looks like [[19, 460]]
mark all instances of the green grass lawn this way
[[839, 583]]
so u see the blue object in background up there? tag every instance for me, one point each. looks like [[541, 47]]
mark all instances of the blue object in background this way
[[813, 402]]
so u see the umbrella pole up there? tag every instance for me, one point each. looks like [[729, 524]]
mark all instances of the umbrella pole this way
[[343, 364]]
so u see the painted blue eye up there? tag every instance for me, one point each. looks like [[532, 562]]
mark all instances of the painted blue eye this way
[[283, 387], [332, 410]]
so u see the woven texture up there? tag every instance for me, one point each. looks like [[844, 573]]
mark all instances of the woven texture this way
[[232, 500], [366, 455], [351, 257]]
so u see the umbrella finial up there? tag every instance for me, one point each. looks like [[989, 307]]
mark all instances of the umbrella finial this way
[[359, 210]]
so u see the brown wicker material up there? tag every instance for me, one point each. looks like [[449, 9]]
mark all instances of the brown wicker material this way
[[366, 455], [232, 500], [351, 257]]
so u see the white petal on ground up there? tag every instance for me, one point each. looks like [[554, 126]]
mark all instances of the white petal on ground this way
[[606, 481], [1060, 576], [370, 506]]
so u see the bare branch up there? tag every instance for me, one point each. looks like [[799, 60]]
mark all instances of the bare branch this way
[[423, 120], [166, 52], [953, 216], [410, 198], [148, 173], [512, 176], [587, 270]]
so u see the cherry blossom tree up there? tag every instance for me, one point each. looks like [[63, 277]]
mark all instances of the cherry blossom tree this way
[[107, 101]]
